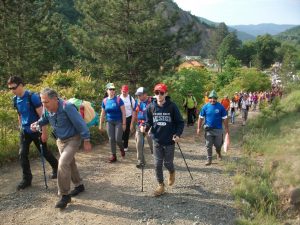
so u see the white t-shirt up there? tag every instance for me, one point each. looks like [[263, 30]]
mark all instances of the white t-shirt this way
[[128, 106]]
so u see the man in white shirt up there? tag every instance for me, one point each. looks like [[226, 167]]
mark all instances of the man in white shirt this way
[[129, 105]]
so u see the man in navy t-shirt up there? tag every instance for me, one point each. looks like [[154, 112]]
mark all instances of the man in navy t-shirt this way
[[29, 109], [214, 114]]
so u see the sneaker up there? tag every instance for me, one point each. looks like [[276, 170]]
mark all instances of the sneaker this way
[[112, 159], [159, 190], [77, 190], [208, 162], [171, 179], [125, 149], [122, 152], [63, 202], [23, 184]]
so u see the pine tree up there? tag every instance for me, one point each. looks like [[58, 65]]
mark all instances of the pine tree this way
[[128, 40]]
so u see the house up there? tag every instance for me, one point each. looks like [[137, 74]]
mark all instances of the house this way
[[191, 64]]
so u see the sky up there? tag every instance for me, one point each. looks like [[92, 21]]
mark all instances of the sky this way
[[244, 12]]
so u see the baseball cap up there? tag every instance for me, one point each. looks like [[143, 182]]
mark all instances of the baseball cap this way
[[125, 88], [140, 91], [110, 86], [161, 87]]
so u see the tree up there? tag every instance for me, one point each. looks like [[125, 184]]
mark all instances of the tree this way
[[32, 39], [194, 80], [125, 40], [216, 39], [230, 45], [265, 51]]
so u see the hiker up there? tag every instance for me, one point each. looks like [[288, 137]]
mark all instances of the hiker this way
[[69, 127], [129, 105], [140, 116], [190, 105], [206, 100], [226, 103], [233, 109], [29, 108], [113, 110], [254, 100], [214, 114], [245, 105], [166, 123]]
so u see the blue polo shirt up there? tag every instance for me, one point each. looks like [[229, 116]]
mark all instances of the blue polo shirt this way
[[27, 110], [213, 114], [112, 108]]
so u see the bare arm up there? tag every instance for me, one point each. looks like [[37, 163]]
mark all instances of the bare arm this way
[[102, 117]]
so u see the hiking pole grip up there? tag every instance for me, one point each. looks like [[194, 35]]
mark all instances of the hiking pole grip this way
[[185, 161]]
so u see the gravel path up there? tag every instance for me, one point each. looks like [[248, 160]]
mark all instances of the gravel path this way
[[113, 191]]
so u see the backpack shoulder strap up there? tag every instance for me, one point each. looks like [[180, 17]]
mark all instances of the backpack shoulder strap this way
[[118, 100], [15, 104], [104, 101]]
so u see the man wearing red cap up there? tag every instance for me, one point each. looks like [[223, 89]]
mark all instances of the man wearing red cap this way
[[166, 123], [129, 105]]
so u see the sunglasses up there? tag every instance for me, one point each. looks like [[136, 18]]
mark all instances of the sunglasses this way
[[13, 88], [159, 92], [111, 89]]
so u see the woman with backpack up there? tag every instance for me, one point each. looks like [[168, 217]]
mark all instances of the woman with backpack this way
[[113, 110]]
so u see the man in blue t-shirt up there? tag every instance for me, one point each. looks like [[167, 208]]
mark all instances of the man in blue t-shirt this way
[[29, 109], [139, 116], [214, 114]]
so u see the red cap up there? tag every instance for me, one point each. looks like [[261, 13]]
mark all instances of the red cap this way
[[161, 87], [125, 88]]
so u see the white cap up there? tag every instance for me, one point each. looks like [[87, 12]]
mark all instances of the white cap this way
[[140, 90]]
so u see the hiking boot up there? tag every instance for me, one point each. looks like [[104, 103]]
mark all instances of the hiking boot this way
[[219, 156], [208, 162], [77, 190], [23, 184], [122, 152], [63, 202], [112, 159], [171, 179], [159, 190]]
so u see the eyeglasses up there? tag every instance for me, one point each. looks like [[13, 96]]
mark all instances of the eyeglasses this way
[[111, 89], [13, 88], [159, 92]]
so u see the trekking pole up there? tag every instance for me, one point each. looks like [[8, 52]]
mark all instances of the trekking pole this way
[[143, 141], [185, 161], [42, 155]]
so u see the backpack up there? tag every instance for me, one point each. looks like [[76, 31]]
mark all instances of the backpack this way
[[86, 110], [150, 99], [29, 102]]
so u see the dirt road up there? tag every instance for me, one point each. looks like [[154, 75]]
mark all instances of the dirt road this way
[[113, 191]]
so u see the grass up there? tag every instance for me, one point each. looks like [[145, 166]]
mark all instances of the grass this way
[[271, 162]]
